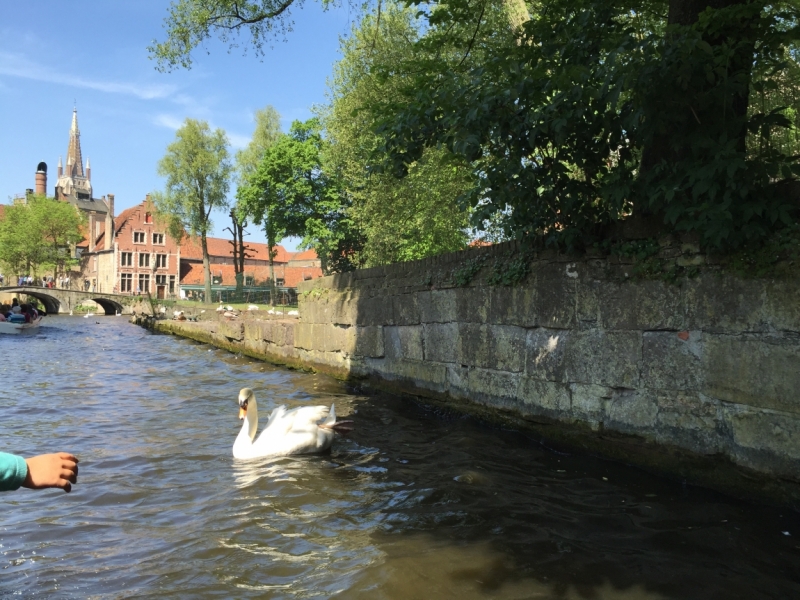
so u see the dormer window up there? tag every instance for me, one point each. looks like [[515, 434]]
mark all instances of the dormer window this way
[[148, 218], [138, 237]]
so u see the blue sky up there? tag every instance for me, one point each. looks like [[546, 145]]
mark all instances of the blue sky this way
[[93, 53]]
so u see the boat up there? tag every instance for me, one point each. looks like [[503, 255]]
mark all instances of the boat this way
[[16, 328]]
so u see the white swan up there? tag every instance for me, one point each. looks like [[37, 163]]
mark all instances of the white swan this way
[[296, 431]]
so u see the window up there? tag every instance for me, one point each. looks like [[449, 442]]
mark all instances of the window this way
[[138, 237], [144, 260], [126, 260], [126, 282], [148, 218], [279, 282], [161, 261], [158, 238], [161, 280], [144, 283], [172, 284]]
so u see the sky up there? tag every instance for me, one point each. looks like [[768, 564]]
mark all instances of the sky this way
[[92, 54]]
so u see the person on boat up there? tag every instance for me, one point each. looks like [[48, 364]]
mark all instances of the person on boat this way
[[5, 310], [26, 312], [59, 470], [15, 307]]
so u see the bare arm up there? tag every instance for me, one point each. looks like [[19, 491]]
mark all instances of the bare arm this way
[[59, 470]]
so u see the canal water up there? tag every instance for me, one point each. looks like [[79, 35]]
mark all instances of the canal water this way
[[413, 504]]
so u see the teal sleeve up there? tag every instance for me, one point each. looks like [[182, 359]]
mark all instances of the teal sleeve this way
[[13, 471]]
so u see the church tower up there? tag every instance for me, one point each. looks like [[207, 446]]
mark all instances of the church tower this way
[[74, 185]]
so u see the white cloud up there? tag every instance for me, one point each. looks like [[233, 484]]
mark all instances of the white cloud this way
[[15, 65], [168, 121]]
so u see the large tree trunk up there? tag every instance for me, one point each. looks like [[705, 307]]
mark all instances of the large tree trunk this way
[[270, 247], [206, 268], [662, 147]]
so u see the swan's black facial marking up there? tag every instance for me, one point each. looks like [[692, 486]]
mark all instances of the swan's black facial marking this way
[[243, 403]]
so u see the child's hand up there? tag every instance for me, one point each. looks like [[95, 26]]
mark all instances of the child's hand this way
[[59, 470]]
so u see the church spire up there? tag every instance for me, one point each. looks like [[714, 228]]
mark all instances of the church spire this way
[[74, 148]]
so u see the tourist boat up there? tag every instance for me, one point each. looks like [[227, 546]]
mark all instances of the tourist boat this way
[[16, 328]]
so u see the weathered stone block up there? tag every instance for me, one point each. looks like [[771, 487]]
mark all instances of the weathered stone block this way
[[441, 341], [403, 342], [545, 354], [472, 345], [782, 307], [437, 306], [632, 410], [773, 432], [334, 337], [589, 402], [760, 371], [342, 309], [557, 285], [472, 304], [506, 348], [369, 341], [639, 304], [491, 384], [671, 362], [233, 330], [406, 309], [374, 310], [512, 306], [609, 358], [549, 395], [687, 411], [304, 335], [427, 375], [724, 304]]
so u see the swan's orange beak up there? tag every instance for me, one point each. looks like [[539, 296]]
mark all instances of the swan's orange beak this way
[[242, 412]]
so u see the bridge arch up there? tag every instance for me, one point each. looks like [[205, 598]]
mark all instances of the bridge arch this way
[[56, 300]]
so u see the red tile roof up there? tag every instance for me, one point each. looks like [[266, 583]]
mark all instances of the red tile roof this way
[[190, 250], [192, 274]]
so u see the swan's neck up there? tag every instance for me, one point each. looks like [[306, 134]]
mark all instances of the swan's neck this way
[[250, 426]]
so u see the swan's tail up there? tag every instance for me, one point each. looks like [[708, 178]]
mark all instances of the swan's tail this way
[[338, 426]]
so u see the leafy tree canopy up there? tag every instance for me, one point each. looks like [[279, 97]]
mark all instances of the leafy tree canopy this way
[[40, 233], [197, 169]]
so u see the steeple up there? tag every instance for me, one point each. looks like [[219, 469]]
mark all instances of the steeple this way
[[74, 148], [74, 183]]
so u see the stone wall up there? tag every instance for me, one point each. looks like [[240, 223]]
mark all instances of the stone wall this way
[[708, 367]]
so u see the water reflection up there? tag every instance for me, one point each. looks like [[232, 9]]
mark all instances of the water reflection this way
[[413, 504]]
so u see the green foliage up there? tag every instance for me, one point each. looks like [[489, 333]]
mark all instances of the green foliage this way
[[40, 233], [511, 269], [191, 23], [464, 274], [593, 110], [405, 219], [198, 170], [291, 194], [265, 135]]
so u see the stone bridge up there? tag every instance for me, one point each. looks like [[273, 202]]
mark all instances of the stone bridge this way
[[62, 301]]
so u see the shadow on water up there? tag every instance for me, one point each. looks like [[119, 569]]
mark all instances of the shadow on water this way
[[415, 503]]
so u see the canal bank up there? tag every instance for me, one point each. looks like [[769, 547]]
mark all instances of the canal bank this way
[[697, 378]]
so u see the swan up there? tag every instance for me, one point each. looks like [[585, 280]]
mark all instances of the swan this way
[[295, 431]]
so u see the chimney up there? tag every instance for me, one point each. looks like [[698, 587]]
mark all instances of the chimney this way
[[92, 237], [41, 179], [109, 236]]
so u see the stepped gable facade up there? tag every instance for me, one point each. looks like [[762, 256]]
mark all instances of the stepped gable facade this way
[[138, 257]]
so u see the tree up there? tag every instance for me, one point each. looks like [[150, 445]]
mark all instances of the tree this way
[[266, 133], [595, 110], [198, 171], [39, 233], [291, 194], [192, 22], [239, 251], [400, 219]]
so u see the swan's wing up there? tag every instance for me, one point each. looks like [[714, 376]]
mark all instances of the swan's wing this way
[[275, 415]]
